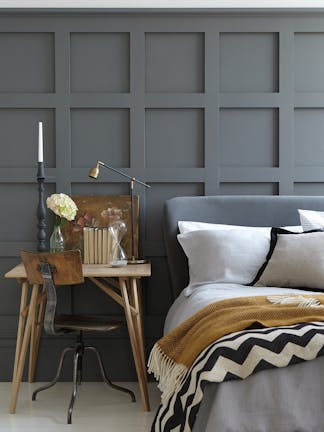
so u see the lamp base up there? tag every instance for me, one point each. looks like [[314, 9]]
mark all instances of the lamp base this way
[[134, 260]]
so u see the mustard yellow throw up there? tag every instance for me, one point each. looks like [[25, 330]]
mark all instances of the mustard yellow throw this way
[[174, 353]]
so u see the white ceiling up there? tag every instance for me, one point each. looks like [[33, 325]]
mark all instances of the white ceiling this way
[[161, 3]]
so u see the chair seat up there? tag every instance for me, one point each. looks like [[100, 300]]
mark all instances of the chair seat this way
[[86, 323]]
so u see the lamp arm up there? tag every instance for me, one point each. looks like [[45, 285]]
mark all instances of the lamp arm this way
[[123, 174]]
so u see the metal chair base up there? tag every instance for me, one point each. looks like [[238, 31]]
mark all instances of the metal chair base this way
[[79, 349]]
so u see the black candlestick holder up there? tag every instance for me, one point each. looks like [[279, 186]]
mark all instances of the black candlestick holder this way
[[41, 209]]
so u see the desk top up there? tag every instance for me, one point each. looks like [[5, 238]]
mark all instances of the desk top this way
[[95, 270]]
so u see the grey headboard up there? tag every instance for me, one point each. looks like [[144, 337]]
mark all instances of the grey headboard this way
[[234, 210]]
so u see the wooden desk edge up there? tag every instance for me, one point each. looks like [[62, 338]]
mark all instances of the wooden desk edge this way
[[95, 270]]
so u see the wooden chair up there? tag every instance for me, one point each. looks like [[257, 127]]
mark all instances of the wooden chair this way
[[65, 268]]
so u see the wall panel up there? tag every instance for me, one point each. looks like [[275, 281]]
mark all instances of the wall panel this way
[[309, 137], [27, 62], [18, 138], [249, 137], [247, 188], [177, 132], [102, 56], [100, 133], [181, 70], [249, 62], [191, 103], [309, 62]]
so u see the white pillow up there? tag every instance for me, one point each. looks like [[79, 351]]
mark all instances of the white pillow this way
[[311, 219], [296, 261], [187, 226], [229, 256]]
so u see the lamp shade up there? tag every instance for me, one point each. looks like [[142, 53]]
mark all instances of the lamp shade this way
[[94, 172]]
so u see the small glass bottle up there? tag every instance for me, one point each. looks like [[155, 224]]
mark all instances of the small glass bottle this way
[[57, 239], [116, 254]]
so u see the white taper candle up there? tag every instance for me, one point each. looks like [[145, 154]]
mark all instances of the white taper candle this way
[[40, 142]]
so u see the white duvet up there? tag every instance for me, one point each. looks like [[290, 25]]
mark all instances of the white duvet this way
[[195, 297]]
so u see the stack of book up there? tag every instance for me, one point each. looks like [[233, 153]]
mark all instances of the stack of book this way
[[97, 245]]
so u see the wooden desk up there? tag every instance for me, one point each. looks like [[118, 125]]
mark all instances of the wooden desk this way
[[122, 284]]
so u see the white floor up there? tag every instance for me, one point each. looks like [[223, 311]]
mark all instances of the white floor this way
[[98, 408]]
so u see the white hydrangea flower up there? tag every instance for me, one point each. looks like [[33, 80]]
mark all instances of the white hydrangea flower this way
[[62, 205]]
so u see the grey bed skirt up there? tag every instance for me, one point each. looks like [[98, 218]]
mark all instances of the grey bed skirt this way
[[274, 400]]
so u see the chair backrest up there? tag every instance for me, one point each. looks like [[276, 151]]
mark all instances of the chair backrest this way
[[50, 269], [67, 266]]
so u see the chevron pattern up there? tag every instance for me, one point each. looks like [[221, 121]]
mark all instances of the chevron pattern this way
[[237, 356]]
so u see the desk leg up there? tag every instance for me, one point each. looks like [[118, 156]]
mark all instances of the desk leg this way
[[138, 325], [135, 346], [23, 350], [138, 321], [36, 332], [21, 324]]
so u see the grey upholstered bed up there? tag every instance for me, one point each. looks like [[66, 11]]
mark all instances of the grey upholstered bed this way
[[277, 400]]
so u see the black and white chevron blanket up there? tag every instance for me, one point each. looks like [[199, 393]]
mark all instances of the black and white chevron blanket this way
[[237, 356]]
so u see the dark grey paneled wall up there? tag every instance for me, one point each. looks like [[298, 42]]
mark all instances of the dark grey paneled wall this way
[[192, 103]]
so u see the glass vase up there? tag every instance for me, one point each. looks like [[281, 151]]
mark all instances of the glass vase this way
[[116, 254], [57, 239]]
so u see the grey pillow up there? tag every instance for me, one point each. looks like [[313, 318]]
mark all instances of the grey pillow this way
[[311, 219], [294, 260]]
